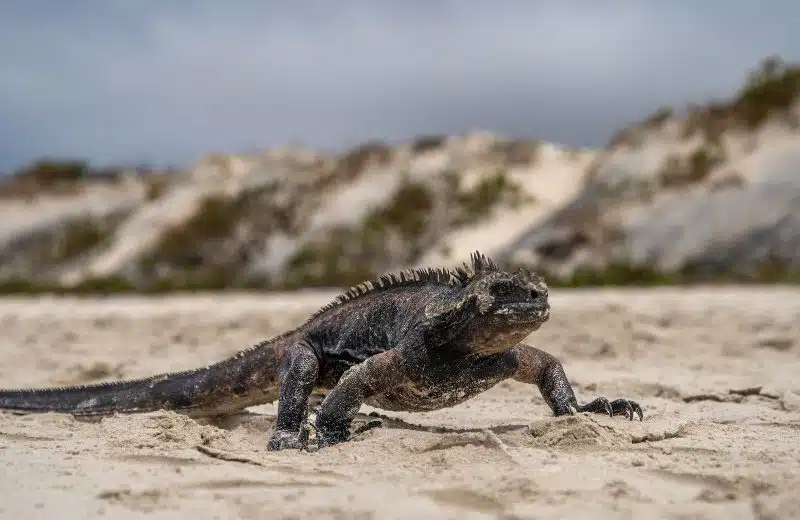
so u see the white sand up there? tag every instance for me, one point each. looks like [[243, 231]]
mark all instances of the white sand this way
[[723, 455]]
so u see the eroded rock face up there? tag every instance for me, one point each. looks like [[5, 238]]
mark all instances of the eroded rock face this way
[[732, 209], [738, 228]]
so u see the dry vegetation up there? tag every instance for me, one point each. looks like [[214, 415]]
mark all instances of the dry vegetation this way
[[69, 177], [772, 89], [428, 143], [57, 247], [54, 177], [770, 92], [679, 171]]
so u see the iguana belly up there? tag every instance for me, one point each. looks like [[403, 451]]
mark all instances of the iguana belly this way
[[429, 396]]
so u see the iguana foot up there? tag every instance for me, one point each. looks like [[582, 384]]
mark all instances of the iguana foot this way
[[624, 407], [628, 408], [330, 436], [286, 439]]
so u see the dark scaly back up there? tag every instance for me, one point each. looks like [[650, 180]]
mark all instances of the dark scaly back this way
[[376, 315], [457, 277]]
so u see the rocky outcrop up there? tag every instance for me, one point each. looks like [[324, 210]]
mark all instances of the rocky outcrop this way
[[715, 191]]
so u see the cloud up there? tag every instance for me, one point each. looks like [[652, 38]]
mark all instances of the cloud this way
[[166, 82]]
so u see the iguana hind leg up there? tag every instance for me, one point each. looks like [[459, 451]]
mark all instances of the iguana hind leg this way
[[545, 371], [299, 370]]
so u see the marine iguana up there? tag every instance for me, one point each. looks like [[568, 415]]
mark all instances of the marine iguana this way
[[415, 340]]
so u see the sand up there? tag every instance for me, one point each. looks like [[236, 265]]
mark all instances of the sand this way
[[716, 371]]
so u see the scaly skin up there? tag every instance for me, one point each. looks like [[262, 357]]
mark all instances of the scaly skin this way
[[413, 341]]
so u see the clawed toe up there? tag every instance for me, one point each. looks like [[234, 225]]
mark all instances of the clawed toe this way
[[328, 434], [627, 407], [283, 439], [624, 407], [326, 438], [599, 405]]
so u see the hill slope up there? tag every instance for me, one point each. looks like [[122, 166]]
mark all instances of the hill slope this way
[[287, 218], [713, 191]]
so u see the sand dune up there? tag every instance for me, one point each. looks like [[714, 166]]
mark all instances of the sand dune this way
[[715, 370]]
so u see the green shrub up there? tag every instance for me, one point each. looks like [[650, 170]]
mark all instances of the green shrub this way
[[772, 88], [695, 168], [623, 274], [49, 171], [659, 117], [352, 164], [406, 212], [427, 143], [518, 152], [180, 245], [79, 237], [476, 203], [616, 274], [62, 244], [156, 188]]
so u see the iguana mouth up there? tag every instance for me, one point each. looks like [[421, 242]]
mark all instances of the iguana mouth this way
[[524, 311], [521, 308]]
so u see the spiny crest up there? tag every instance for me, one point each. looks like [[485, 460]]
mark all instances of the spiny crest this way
[[459, 276], [481, 263]]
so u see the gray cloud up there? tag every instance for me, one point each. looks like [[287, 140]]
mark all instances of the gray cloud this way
[[165, 82]]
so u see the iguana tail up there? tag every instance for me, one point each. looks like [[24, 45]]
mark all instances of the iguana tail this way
[[234, 383], [168, 391]]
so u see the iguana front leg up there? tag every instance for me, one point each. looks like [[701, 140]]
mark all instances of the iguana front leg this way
[[545, 371], [299, 369], [374, 375]]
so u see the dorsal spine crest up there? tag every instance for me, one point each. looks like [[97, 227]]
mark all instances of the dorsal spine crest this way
[[456, 277]]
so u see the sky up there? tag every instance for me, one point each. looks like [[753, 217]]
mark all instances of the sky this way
[[164, 82]]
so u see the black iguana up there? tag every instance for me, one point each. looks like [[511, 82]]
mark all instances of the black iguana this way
[[416, 340]]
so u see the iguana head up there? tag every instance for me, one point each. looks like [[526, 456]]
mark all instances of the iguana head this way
[[494, 307]]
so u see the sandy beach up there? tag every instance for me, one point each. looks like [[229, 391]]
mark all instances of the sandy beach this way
[[715, 369]]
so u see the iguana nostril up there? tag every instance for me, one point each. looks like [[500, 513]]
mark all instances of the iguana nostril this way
[[534, 294]]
